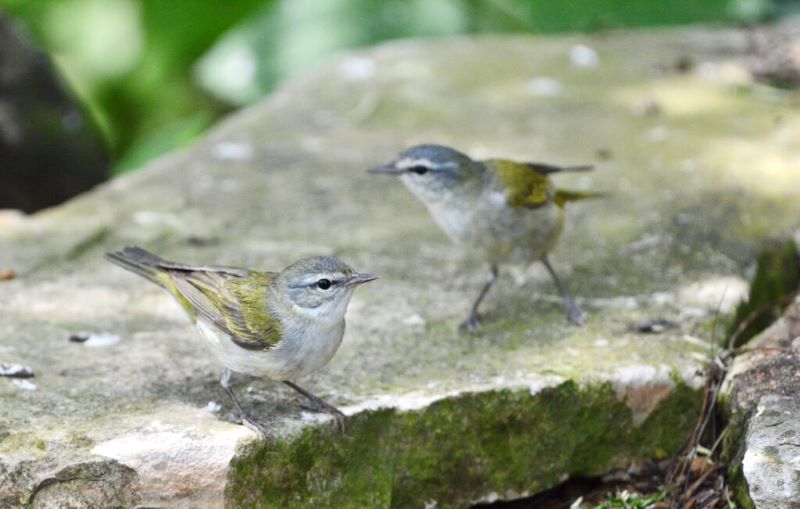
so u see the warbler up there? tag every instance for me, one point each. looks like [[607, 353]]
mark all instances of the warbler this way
[[508, 211], [280, 325]]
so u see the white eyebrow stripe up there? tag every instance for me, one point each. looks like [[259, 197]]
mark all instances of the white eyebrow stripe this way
[[409, 162], [311, 280]]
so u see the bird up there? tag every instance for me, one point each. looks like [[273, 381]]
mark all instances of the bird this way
[[506, 211], [280, 325]]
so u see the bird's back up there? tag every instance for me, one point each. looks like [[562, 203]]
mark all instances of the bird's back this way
[[522, 184]]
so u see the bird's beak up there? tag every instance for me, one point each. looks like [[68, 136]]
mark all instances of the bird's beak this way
[[386, 169], [357, 279]]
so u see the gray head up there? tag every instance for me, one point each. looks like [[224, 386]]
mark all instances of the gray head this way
[[320, 287], [431, 171]]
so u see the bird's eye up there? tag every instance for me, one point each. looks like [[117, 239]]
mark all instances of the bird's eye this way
[[324, 284], [419, 170]]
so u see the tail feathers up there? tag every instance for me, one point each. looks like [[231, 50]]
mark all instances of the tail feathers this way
[[563, 196], [582, 167], [141, 262], [547, 169]]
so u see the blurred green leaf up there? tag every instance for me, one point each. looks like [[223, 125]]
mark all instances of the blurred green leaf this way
[[130, 61], [139, 65], [160, 141], [286, 37]]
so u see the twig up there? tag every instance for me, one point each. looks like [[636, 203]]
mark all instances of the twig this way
[[700, 480]]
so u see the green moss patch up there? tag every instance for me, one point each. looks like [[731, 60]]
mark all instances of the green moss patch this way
[[777, 279], [460, 449]]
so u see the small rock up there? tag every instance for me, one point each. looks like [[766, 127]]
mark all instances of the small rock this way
[[25, 385], [196, 241], [545, 86], [7, 274], [232, 151], [15, 370], [655, 326], [414, 320], [583, 56], [95, 339]]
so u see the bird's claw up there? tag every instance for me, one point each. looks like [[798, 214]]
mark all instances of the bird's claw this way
[[471, 324], [576, 315], [340, 420], [256, 427], [322, 407]]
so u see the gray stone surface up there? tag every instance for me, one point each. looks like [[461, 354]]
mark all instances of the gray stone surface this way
[[701, 169], [771, 463], [762, 391]]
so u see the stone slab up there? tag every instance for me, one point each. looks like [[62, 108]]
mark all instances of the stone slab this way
[[700, 166]]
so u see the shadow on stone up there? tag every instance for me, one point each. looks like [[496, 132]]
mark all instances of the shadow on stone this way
[[51, 150]]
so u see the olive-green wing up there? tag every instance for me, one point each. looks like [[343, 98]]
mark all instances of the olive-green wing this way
[[562, 196], [233, 299], [528, 184], [237, 305], [547, 169], [522, 187]]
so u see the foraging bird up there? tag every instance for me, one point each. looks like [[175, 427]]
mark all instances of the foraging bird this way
[[507, 211], [280, 325]]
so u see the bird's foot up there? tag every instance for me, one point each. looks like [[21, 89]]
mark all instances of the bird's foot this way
[[471, 324], [317, 405], [256, 427], [576, 315]]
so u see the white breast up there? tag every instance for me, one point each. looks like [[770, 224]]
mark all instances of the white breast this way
[[499, 232], [299, 352]]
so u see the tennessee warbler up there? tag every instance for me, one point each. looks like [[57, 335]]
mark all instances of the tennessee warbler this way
[[281, 325]]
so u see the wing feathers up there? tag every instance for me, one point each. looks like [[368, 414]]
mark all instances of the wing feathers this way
[[522, 187], [547, 169], [237, 306], [526, 188], [199, 302], [233, 299]]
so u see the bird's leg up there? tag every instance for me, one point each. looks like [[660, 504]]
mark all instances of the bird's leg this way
[[249, 422], [472, 323], [320, 406], [574, 313]]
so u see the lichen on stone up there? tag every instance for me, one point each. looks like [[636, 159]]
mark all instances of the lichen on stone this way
[[458, 449]]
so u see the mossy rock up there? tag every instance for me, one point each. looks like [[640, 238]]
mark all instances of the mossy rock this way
[[697, 182]]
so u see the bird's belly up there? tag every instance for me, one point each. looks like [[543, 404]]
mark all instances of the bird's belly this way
[[502, 234], [297, 354], [307, 350]]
